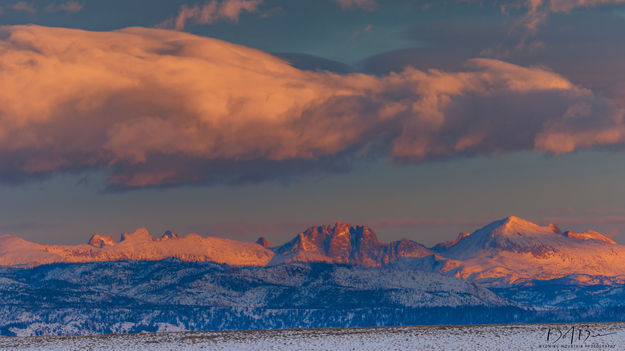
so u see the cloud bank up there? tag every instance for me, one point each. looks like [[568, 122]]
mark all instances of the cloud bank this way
[[69, 7], [211, 12], [155, 107]]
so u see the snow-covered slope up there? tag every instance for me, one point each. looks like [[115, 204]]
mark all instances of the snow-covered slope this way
[[135, 296], [447, 244], [589, 235], [513, 250], [338, 243], [448, 338], [139, 245], [328, 276]]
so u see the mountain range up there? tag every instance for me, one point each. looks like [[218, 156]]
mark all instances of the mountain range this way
[[507, 251], [338, 275]]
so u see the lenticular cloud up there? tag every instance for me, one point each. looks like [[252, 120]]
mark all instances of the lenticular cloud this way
[[155, 107]]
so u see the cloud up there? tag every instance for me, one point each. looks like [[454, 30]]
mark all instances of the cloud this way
[[569, 5], [368, 5], [23, 6], [211, 12], [357, 33], [155, 107], [579, 46], [70, 7], [313, 63], [539, 10]]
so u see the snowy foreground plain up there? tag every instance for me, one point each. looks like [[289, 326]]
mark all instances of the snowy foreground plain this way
[[592, 336]]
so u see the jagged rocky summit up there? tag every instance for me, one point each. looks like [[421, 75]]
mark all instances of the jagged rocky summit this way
[[511, 250]]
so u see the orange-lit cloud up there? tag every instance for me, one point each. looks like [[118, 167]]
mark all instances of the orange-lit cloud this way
[[362, 4], [211, 12], [538, 10], [568, 5], [24, 7], [70, 6], [157, 107]]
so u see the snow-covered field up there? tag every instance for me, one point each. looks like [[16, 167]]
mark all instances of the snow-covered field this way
[[595, 336]]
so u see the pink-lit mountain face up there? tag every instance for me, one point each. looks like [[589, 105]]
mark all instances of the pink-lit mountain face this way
[[139, 245], [339, 243], [511, 250], [346, 244], [514, 250]]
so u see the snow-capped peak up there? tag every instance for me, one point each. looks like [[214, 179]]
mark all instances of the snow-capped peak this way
[[517, 225], [140, 234], [508, 234], [345, 243], [138, 245], [99, 240], [169, 235], [511, 248], [515, 249]]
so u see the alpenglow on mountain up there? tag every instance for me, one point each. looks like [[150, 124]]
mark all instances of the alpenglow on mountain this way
[[339, 275], [507, 251]]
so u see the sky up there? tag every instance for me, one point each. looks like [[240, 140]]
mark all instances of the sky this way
[[248, 118]]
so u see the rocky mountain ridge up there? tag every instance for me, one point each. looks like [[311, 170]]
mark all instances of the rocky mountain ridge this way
[[507, 251]]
